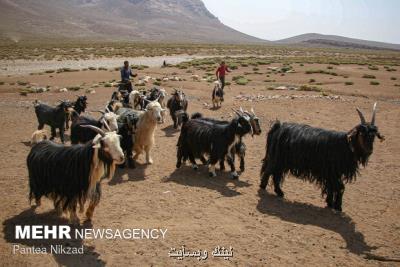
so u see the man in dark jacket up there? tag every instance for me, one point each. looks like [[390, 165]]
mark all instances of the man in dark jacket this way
[[126, 74]]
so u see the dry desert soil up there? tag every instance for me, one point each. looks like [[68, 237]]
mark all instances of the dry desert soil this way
[[201, 212]]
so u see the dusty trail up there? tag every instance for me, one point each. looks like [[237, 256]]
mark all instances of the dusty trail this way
[[201, 212]]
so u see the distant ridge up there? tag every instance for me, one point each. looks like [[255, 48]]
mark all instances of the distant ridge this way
[[321, 40]]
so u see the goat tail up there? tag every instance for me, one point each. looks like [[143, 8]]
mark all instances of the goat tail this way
[[275, 126], [196, 115]]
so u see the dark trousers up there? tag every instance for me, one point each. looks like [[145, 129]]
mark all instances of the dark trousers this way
[[222, 80]]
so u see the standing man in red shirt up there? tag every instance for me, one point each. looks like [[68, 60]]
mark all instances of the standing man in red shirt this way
[[221, 71]]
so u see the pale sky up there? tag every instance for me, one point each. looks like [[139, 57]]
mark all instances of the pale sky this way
[[375, 20]]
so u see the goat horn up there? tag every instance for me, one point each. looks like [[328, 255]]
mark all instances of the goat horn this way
[[102, 112], [241, 109], [107, 109], [373, 114], [106, 124], [252, 111], [237, 112], [362, 118], [96, 129]]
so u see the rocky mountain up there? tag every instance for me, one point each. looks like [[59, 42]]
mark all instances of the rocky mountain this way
[[137, 20], [140, 20]]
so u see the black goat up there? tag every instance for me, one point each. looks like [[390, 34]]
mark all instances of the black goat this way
[[239, 148], [79, 106], [126, 128], [327, 158], [199, 137], [176, 104], [68, 175], [52, 116], [79, 134]]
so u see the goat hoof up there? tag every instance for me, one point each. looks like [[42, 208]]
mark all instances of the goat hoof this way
[[263, 186], [178, 165], [279, 193], [195, 167], [212, 174], [234, 175], [121, 166], [338, 209]]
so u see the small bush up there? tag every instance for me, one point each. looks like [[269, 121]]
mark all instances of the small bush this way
[[393, 78], [73, 88], [373, 67], [107, 85], [256, 69], [369, 76], [1, 83], [49, 71], [157, 83], [235, 78], [92, 68], [310, 88], [242, 81], [22, 83], [374, 83], [311, 81], [329, 67], [348, 83]]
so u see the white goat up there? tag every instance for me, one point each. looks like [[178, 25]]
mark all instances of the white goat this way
[[145, 128]]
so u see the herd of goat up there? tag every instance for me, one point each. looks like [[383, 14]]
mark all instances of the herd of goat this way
[[71, 175]]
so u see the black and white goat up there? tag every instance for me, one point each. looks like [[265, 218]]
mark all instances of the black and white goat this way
[[177, 105], [79, 134], [127, 121], [69, 175], [327, 158], [199, 137], [79, 106], [239, 148]]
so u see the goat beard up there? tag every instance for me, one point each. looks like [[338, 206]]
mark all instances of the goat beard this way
[[109, 165]]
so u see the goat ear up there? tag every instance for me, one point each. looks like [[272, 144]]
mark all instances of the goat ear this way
[[350, 137]]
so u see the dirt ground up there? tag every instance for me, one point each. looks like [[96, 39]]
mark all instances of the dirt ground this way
[[201, 212]]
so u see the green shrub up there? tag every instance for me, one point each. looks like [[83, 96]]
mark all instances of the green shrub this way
[[374, 83], [393, 78], [157, 83], [311, 81], [22, 83], [369, 76], [1, 83], [373, 67], [73, 88], [242, 81], [348, 83], [107, 85], [49, 71], [310, 88], [329, 67]]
